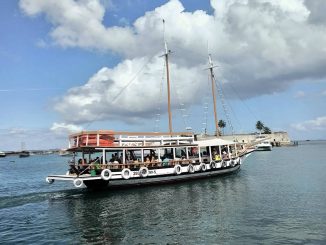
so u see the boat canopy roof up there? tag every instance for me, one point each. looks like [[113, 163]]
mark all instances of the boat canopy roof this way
[[108, 139], [214, 142]]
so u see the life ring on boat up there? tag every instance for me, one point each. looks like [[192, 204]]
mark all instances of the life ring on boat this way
[[78, 182], [106, 174], [224, 163], [126, 173], [218, 164], [50, 181], [203, 167], [177, 169], [191, 168], [212, 165], [143, 172]]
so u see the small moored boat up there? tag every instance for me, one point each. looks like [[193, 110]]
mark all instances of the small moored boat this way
[[263, 144], [24, 154], [65, 153]]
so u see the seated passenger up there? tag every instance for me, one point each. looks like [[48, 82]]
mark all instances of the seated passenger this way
[[225, 156], [217, 157], [165, 162]]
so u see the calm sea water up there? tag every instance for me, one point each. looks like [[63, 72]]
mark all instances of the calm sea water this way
[[278, 197]]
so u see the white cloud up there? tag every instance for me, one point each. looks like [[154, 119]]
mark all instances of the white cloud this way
[[64, 129], [262, 47], [316, 124], [119, 93], [300, 94]]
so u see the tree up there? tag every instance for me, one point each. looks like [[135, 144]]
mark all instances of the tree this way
[[259, 126], [221, 124], [266, 130]]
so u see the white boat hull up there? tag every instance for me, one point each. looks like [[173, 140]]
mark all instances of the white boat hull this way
[[155, 176]]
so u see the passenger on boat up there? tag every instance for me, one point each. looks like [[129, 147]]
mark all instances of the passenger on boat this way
[[73, 169], [147, 159], [84, 166], [153, 158], [165, 162], [194, 152], [120, 160], [225, 156], [96, 164], [217, 157]]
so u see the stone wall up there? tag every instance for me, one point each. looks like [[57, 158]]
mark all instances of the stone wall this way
[[276, 138]]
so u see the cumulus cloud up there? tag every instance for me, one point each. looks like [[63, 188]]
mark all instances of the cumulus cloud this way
[[130, 91], [316, 124], [262, 46], [64, 129]]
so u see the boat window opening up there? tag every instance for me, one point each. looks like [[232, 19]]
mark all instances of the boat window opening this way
[[168, 153], [150, 155], [134, 155], [193, 152], [216, 153], [113, 156], [180, 152], [204, 151]]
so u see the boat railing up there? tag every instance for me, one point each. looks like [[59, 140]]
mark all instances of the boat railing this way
[[112, 139], [81, 169], [85, 168]]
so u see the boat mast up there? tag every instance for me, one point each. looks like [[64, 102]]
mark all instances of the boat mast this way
[[166, 55], [211, 66]]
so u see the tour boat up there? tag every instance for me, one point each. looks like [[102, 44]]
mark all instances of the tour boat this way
[[2, 154], [124, 159]]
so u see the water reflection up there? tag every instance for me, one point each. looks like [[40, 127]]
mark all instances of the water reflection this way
[[141, 214]]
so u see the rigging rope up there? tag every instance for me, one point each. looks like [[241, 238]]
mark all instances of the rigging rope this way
[[181, 107], [158, 114], [130, 82], [221, 95]]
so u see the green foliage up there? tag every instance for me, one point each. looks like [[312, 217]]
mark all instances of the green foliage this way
[[259, 126], [262, 128], [221, 124], [266, 130]]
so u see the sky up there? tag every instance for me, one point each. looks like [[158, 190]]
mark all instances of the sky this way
[[78, 65]]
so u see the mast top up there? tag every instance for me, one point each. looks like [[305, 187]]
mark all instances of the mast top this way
[[210, 62]]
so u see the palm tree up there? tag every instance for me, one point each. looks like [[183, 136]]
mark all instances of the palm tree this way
[[259, 126], [222, 124], [267, 130]]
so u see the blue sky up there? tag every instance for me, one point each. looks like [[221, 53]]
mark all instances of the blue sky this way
[[63, 63]]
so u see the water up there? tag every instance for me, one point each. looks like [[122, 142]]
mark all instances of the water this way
[[278, 197]]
